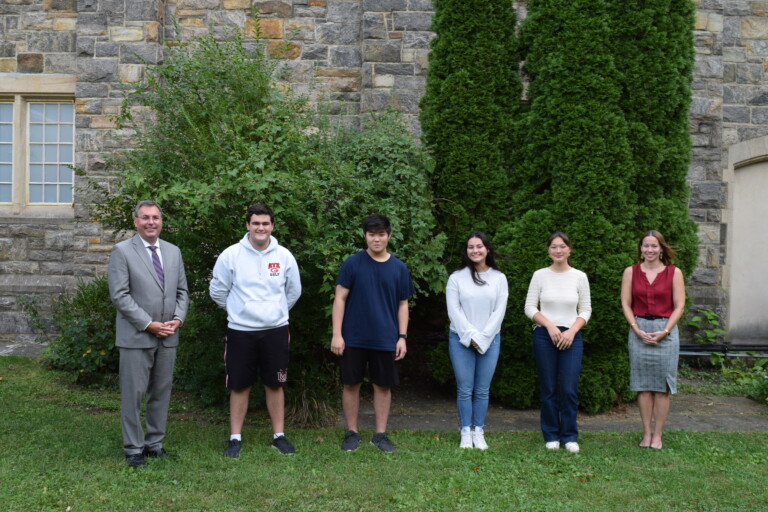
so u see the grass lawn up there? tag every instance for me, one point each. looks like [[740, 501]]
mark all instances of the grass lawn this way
[[60, 451]]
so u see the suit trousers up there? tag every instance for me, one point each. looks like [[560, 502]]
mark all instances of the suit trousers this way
[[145, 372]]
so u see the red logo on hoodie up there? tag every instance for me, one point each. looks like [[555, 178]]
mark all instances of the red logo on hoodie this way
[[274, 269]]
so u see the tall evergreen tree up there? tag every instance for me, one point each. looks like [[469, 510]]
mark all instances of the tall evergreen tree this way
[[574, 175], [472, 95], [654, 43]]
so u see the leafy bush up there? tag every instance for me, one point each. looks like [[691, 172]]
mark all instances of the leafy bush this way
[[85, 344], [215, 132]]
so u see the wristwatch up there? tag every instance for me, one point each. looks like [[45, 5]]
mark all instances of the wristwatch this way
[[404, 336]]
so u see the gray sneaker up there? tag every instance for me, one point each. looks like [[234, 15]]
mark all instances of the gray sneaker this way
[[381, 441], [282, 445], [351, 441], [232, 451]]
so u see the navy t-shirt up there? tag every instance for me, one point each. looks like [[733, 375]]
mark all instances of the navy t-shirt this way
[[375, 291]]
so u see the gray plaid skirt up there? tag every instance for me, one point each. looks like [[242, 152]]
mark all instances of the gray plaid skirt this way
[[653, 367]]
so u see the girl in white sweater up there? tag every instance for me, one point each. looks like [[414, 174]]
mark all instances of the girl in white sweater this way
[[558, 302], [477, 300]]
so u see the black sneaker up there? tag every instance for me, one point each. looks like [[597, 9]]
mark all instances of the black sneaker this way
[[232, 451], [136, 460], [351, 441], [282, 445], [158, 454], [381, 441]]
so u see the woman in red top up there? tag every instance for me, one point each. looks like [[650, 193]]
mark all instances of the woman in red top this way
[[653, 299]]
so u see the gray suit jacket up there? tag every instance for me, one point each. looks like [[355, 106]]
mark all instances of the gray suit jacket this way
[[136, 292]]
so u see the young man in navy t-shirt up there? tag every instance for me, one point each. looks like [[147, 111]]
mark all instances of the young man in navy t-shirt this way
[[370, 325]]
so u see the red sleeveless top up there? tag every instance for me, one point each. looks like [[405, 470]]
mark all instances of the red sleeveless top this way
[[652, 298]]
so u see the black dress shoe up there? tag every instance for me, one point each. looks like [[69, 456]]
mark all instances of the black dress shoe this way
[[158, 454], [136, 460]]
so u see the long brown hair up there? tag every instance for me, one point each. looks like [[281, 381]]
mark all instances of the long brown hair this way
[[667, 253]]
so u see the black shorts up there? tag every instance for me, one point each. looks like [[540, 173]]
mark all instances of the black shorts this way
[[251, 353], [378, 365]]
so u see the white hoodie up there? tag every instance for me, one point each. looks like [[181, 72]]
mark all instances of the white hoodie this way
[[257, 288]]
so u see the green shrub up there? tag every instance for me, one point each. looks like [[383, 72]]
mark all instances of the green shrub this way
[[472, 95], [85, 344], [222, 136]]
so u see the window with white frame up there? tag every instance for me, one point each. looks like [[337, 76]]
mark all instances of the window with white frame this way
[[36, 151]]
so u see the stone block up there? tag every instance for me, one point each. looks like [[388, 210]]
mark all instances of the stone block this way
[[733, 114], [283, 50], [747, 73], [707, 195], [271, 28], [106, 49], [760, 115], [406, 101], [7, 49], [325, 71], [144, 10], [220, 19], [29, 63], [708, 66], [91, 24], [7, 303], [88, 90], [197, 4], [300, 29], [759, 8], [740, 95], [344, 84], [282, 9], [125, 34], [709, 21], [60, 5], [729, 73], [101, 70], [385, 5], [753, 27], [314, 52], [417, 83], [45, 255], [735, 8], [64, 63], [8, 65], [383, 80], [343, 12], [381, 51], [64, 24], [393, 69], [50, 42], [140, 53], [129, 73], [374, 100], [112, 6], [426, 5], [417, 39], [309, 12], [345, 57], [19, 267], [35, 21], [419, 21], [237, 4], [374, 26], [84, 46], [705, 277], [338, 33], [317, 3]]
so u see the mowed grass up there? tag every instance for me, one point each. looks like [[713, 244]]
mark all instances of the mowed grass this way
[[60, 451]]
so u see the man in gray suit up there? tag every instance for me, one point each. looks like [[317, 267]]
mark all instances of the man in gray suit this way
[[148, 287]]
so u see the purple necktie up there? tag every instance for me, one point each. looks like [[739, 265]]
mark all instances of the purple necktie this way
[[158, 266]]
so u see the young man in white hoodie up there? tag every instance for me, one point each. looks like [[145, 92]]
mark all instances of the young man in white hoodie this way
[[257, 281]]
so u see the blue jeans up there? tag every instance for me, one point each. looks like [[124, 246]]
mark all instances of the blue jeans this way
[[558, 378], [474, 372]]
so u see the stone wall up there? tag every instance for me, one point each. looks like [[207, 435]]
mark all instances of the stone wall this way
[[349, 56]]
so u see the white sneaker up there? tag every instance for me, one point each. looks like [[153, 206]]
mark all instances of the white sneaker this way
[[466, 438], [572, 447], [478, 439], [553, 445]]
